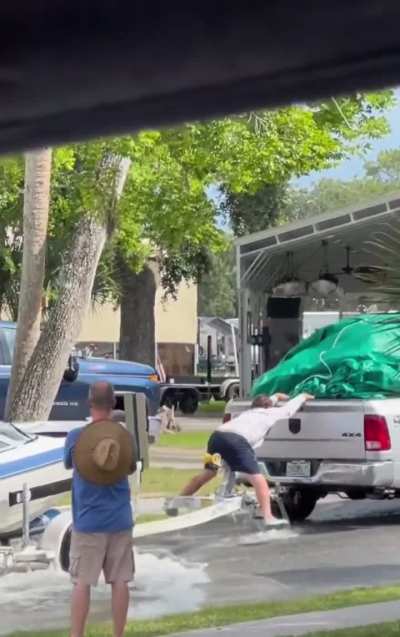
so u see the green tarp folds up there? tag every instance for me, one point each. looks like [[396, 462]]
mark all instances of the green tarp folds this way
[[355, 358]]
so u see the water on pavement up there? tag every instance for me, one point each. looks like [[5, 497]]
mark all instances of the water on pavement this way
[[40, 600], [344, 544]]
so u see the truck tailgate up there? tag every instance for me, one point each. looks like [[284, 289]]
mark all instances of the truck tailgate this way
[[321, 430]]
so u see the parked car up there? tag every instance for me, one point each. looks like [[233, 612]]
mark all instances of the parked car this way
[[71, 402]]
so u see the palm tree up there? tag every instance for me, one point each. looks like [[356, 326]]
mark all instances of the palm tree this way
[[383, 277], [35, 223], [72, 294]]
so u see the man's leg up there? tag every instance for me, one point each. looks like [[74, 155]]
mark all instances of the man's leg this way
[[119, 569], [198, 481], [86, 559], [79, 608], [120, 604], [263, 495]]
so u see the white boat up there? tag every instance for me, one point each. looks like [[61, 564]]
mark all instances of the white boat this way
[[34, 460]]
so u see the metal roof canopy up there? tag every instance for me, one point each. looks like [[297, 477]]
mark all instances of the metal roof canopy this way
[[263, 256]]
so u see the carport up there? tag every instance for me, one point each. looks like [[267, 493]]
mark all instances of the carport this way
[[331, 262]]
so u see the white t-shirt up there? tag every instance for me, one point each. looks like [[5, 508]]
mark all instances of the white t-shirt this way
[[254, 424]]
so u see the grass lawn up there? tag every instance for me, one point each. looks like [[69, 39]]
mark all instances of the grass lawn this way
[[160, 482], [170, 481], [184, 440], [225, 615], [214, 407]]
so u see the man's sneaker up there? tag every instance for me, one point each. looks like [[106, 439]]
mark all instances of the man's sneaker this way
[[276, 523]]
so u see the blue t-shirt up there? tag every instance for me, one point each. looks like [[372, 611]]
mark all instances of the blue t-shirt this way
[[96, 508]]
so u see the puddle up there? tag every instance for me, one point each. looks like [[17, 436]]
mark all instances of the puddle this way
[[163, 585]]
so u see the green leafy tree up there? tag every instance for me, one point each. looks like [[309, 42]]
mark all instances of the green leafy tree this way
[[142, 202], [386, 168], [241, 155], [252, 212], [217, 286], [379, 177], [320, 135]]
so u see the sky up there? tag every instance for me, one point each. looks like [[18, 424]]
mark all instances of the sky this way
[[351, 168]]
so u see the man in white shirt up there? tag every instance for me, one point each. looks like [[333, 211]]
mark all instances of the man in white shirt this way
[[235, 441]]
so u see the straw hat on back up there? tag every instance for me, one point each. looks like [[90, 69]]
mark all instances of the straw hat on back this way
[[105, 452]]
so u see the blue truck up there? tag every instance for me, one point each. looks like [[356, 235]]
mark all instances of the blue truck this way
[[72, 399]]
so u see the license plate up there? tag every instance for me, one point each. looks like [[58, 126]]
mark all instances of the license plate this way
[[298, 469]]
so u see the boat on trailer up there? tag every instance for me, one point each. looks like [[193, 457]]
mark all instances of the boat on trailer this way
[[32, 460]]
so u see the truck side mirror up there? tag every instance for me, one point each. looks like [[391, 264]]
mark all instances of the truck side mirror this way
[[72, 370]]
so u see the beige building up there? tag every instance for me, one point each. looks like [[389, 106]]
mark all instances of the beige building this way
[[176, 330]]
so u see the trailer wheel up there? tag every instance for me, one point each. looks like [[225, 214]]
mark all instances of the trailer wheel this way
[[188, 403], [299, 504], [64, 551]]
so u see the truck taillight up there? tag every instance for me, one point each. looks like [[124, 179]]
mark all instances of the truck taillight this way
[[376, 434], [226, 418]]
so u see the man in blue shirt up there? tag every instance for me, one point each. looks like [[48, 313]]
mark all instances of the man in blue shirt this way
[[101, 456]]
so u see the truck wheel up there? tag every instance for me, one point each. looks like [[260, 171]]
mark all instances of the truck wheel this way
[[169, 400], [188, 403], [233, 392], [355, 494], [299, 504]]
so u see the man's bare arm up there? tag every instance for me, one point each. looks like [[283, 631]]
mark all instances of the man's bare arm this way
[[293, 406]]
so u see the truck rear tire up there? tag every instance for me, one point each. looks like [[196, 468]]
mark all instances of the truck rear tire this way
[[299, 504], [188, 403], [355, 494]]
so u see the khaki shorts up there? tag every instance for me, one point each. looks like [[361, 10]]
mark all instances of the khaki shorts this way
[[92, 553]]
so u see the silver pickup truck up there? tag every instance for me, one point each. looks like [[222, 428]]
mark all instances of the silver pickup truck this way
[[350, 447]]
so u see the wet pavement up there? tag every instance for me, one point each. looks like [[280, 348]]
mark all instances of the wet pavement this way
[[344, 544]]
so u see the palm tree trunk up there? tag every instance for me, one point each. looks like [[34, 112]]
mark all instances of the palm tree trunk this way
[[35, 222], [47, 364], [45, 369]]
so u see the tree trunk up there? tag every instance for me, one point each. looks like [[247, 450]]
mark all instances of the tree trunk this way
[[47, 364], [137, 329], [36, 214]]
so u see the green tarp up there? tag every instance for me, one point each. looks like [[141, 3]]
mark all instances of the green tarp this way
[[354, 358]]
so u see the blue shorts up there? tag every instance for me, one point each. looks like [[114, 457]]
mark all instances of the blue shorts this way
[[235, 451]]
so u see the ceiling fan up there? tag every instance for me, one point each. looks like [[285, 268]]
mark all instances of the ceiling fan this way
[[327, 283], [365, 273]]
